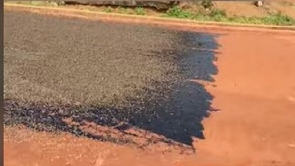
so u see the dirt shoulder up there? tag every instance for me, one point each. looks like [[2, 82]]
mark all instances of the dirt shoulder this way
[[247, 9]]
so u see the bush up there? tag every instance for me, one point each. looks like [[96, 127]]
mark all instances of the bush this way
[[207, 4], [279, 19], [139, 11], [176, 11], [218, 15]]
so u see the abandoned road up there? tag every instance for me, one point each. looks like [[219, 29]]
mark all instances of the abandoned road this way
[[85, 92]]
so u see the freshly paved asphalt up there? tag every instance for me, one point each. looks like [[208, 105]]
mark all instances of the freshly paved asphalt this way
[[115, 72]]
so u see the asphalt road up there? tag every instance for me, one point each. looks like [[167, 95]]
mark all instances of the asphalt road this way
[[105, 73]]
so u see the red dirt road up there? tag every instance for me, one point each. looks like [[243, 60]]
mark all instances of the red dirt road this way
[[255, 93]]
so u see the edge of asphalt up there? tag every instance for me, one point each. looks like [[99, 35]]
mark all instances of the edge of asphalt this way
[[164, 21]]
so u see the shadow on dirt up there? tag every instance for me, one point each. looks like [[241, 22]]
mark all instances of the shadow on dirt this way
[[171, 113]]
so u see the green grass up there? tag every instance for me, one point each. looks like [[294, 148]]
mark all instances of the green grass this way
[[125, 10], [108, 10], [140, 11], [221, 16], [179, 13]]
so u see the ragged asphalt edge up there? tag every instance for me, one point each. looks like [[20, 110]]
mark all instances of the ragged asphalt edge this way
[[162, 21]]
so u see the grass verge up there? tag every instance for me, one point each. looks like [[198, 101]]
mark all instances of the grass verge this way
[[218, 15], [212, 15]]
